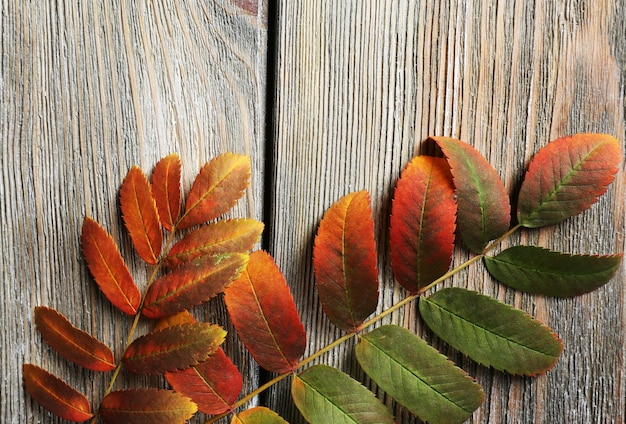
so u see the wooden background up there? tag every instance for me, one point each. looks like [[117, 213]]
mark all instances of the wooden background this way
[[327, 97]]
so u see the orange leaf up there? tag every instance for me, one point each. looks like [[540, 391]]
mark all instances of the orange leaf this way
[[191, 284], [344, 259], [140, 215], [183, 317], [218, 186], [55, 395], [166, 189], [108, 268], [263, 312], [140, 406], [76, 345], [237, 235]]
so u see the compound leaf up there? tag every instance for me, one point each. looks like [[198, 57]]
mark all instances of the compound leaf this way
[[484, 210], [326, 395], [422, 224], [108, 268], [140, 406], [166, 189], [258, 415], [344, 260], [418, 376], [55, 395], [264, 314], [490, 332], [71, 342], [566, 177]]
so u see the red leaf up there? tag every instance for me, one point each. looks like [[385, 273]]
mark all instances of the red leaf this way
[[216, 189], [484, 211], [193, 283], [166, 189], [344, 259], [55, 395], [173, 348], [422, 223], [141, 406], [108, 268], [263, 312], [141, 216], [76, 345], [566, 177], [237, 235]]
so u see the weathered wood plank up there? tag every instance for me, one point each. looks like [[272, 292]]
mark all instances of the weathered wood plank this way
[[362, 83], [87, 90]]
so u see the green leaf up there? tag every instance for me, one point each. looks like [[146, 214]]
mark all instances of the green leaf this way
[[490, 332], [566, 177], [418, 376], [258, 415], [326, 395], [541, 271]]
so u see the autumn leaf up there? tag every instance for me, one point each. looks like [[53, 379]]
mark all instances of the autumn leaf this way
[[71, 342], [192, 284], [490, 332], [484, 211], [258, 415], [141, 406], [166, 189], [566, 177], [422, 223], [140, 215], [236, 235], [344, 260], [55, 395], [108, 268], [216, 189], [173, 348], [264, 314]]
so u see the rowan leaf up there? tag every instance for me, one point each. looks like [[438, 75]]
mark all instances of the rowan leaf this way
[[236, 235], [541, 271], [490, 332], [566, 177], [216, 189], [141, 406], [344, 260], [192, 284], [108, 268], [166, 189], [422, 223], [258, 415], [55, 395], [173, 348], [71, 342], [140, 215], [484, 210], [324, 395], [264, 314], [417, 376]]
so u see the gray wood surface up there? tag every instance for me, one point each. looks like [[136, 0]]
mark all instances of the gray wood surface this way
[[89, 89]]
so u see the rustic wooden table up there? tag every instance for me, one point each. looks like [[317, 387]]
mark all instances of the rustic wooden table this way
[[327, 97]]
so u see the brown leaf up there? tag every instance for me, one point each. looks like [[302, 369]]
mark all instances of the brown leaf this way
[[141, 406], [166, 189]]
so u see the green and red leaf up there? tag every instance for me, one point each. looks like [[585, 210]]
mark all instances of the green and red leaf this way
[[258, 415], [216, 189], [344, 260], [265, 316], [140, 215], [566, 177], [422, 224], [173, 348], [108, 268], [541, 271], [484, 210], [141, 406], [192, 284], [166, 189], [71, 342], [490, 332], [236, 235], [55, 395]]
